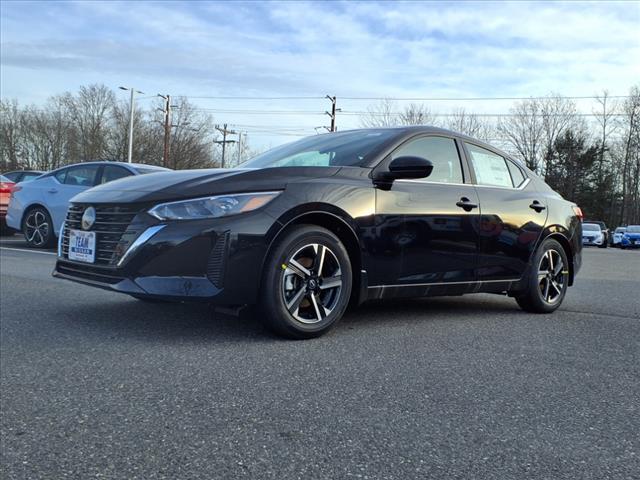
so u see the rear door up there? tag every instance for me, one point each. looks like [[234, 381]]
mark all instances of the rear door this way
[[68, 183], [512, 214], [429, 236]]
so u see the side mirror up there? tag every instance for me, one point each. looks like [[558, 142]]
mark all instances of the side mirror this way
[[404, 167]]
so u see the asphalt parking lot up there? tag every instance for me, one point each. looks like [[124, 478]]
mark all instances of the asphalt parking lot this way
[[94, 384]]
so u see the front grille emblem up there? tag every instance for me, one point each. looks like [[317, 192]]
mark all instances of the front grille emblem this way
[[88, 218]]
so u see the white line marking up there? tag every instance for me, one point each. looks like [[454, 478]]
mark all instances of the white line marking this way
[[25, 250]]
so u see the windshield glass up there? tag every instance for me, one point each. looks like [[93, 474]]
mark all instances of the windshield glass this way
[[591, 227], [328, 150], [620, 229], [4, 179], [633, 229]]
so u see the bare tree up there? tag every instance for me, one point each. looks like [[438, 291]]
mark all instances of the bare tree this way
[[11, 138], [381, 114], [89, 112], [416, 114], [470, 124], [523, 130], [630, 178], [192, 138]]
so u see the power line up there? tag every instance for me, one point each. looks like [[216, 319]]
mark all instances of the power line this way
[[430, 99]]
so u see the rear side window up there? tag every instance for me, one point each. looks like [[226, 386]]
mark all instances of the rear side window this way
[[490, 169], [82, 175], [440, 151], [516, 174], [111, 173]]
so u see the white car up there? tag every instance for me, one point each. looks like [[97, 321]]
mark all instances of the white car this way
[[617, 236], [38, 207], [592, 234]]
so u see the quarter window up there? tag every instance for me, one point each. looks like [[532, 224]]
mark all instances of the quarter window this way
[[490, 169], [516, 174], [441, 152]]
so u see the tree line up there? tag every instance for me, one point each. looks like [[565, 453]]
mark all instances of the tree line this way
[[92, 125], [593, 160]]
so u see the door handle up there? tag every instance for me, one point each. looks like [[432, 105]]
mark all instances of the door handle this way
[[53, 190], [537, 206], [466, 204]]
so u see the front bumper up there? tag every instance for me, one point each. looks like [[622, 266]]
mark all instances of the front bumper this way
[[592, 241], [217, 261], [630, 242]]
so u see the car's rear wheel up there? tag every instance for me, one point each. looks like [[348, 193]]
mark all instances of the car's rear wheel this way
[[306, 283], [548, 279], [37, 228]]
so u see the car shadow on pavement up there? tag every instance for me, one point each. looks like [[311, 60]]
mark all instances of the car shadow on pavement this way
[[201, 322]]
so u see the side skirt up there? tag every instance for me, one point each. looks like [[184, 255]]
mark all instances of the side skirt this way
[[441, 289]]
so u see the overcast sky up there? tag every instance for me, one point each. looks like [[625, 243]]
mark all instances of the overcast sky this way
[[467, 49]]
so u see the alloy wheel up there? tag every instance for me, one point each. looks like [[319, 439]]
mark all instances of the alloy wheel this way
[[37, 228], [312, 283], [552, 276]]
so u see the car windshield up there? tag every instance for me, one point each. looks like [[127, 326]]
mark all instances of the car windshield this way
[[591, 227], [633, 229], [621, 229], [328, 150], [4, 179]]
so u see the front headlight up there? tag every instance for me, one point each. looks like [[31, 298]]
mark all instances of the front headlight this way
[[212, 207]]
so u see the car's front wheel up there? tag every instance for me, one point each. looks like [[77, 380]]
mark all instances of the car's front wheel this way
[[37, 228], [548, 279], [306, 283]]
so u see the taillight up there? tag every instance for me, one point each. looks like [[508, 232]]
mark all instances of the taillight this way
[[15, 188], [7, 187], [578, 211]]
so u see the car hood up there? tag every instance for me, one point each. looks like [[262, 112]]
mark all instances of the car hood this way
[[177, 185]]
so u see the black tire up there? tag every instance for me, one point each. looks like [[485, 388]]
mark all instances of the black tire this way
[[296, 305], [539, 296], [37, 228]]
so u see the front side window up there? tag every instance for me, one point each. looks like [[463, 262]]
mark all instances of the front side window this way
[[490, 169], [441, 152], [82, 176], [111, 173]]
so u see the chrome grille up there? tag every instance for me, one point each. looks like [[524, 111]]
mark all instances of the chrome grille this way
[[112, 227]]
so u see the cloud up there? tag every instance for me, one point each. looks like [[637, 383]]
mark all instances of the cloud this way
[[344, 48]]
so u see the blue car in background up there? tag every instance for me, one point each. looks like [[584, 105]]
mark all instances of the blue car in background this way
[[631, 237], [37, 208]]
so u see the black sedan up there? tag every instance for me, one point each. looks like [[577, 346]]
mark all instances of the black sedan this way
[[308, 228]]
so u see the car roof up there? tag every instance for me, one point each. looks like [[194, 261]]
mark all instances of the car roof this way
[[24, 171], [112, 162]]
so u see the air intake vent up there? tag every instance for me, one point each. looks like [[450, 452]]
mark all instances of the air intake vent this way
[[215, 265]]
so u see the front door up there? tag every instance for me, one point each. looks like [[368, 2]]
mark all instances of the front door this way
[[430, 225]]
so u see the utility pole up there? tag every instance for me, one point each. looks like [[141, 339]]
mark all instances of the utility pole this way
[[167, 128], [224, 140], [332, 115], [131, 112], [239, 147]]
